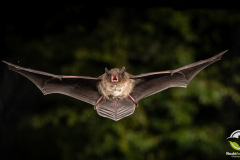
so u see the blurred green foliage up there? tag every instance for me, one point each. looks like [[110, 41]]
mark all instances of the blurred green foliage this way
[[178, 123]]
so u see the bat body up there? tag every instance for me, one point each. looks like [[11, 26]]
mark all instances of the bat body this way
[[115, 93]]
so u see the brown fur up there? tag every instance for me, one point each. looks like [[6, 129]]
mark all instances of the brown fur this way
[[115, 91]]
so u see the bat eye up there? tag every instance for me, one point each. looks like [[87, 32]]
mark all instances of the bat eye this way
[[108, 75]]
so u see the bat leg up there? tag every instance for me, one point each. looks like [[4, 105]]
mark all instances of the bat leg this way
[[96, 105], [134, 101]]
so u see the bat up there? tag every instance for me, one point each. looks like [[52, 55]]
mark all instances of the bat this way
[[116, 93]]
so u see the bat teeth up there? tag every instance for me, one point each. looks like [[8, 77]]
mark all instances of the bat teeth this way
[[114, 78]]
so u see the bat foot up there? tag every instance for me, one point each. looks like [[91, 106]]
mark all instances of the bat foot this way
[[134, 101], [96, 105]]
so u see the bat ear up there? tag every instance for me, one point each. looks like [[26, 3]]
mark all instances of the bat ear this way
[[123, 71], [107, 71]]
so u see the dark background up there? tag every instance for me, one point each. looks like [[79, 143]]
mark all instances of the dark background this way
[[178, 123]]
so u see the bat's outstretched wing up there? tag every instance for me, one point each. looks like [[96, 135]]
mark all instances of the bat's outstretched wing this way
[[79, 87], [151, 83]]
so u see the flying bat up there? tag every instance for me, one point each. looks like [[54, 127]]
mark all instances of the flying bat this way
[[116, 93]]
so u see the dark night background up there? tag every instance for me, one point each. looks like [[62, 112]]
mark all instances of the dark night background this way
[[178, 123]]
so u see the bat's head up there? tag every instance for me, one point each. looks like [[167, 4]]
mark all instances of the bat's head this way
[[115, 75]]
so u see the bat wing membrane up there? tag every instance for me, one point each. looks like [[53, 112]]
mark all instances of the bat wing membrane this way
[[79, 87], [151, 83], [115, 110]]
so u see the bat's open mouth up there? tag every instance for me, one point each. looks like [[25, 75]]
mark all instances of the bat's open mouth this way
[[114, 78]]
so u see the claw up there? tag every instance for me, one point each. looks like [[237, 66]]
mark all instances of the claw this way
[[96, 104], [134, 101]]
